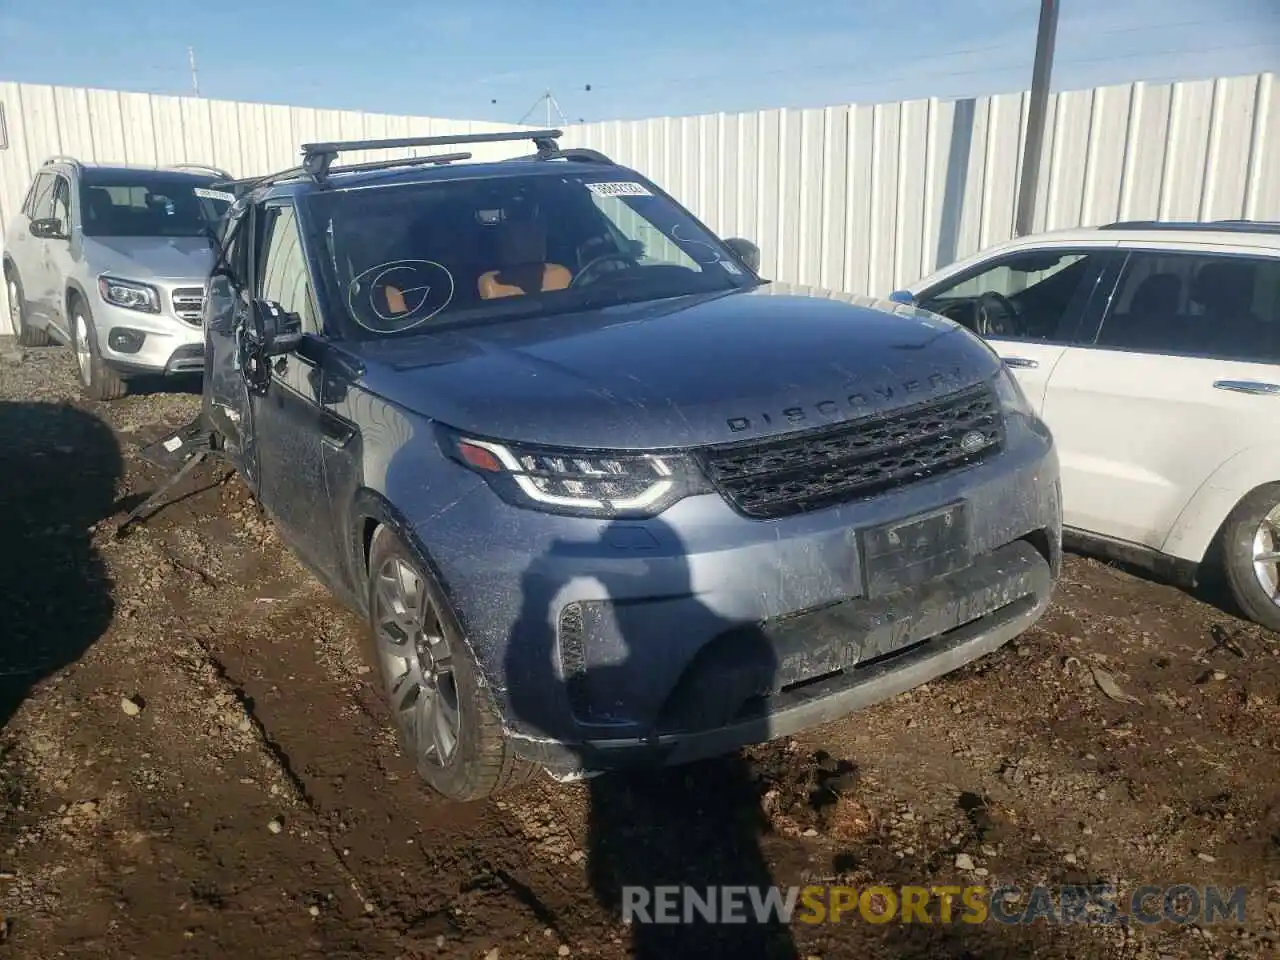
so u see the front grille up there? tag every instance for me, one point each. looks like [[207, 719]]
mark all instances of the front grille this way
[[819, 468], [188, 304]]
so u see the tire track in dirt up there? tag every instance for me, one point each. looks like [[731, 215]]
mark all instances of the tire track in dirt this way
[[432, 868]]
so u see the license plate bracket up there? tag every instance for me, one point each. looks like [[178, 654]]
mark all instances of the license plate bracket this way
[[911, 551]]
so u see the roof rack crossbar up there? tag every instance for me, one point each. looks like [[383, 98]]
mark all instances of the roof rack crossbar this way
[[206, 168], [62, 158], [317, 158]]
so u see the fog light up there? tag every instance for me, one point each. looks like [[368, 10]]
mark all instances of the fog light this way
[[124, 340]]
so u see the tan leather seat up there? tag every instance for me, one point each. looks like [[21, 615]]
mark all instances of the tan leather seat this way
[[523, 248]]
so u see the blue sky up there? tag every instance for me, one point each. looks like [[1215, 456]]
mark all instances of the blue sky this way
[[491, 59]]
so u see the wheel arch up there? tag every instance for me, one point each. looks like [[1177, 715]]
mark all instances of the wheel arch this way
[[371, 510], [74, 289], [1202, 518]]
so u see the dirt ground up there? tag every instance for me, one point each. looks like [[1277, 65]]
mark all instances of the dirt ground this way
[[195, 762]]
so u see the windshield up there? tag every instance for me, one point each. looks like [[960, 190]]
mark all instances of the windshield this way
[[149, 203], [401, 259]]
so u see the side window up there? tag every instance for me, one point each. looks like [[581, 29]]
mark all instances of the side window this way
[[282, 265], [1035, 295], [41, 202], [62, 202], [1224, 307], [236, 243]]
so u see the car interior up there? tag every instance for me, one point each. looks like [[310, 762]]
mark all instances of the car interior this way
[[1221, 306], [138, 211], [463, 248], [1026, 297]]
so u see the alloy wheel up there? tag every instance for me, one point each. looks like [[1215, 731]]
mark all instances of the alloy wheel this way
[[15, 308], [1266, 554], [417, 663], [84, 355]]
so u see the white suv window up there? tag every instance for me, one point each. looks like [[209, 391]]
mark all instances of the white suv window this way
[[1224, 307], [62, 202], [40, 204], [1029, 295]]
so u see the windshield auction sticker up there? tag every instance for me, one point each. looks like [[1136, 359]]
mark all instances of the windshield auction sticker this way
[[628, 188]]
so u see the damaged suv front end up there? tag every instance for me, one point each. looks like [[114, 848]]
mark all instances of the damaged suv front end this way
[[604, 496], [660, 604]]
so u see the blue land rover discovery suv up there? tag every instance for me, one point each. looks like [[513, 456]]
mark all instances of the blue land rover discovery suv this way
[[604, 495]]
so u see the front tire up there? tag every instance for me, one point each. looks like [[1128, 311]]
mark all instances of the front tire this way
[[445, 715], [28, 336], [1251, 555], [97, 380]]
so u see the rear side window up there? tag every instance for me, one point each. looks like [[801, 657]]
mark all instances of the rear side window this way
[[1224, 307]]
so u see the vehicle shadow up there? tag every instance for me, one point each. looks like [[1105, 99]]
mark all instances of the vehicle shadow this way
[[697, 825], [188, 383], [60, 467], [1207, 585]]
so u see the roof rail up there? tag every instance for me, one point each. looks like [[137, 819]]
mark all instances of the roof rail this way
[[62, 158], [1198, 226], [294, 173], [578, 154], [317, 158], [201, 167]]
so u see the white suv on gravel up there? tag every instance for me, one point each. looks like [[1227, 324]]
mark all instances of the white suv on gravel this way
[[1152, 350]]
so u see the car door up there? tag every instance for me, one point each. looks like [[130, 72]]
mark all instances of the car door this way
[[1180, 375], [1028, 305], [58, 256], [228, 300], [29, 252], [288, 418]]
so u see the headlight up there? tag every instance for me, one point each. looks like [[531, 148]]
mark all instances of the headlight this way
[[128, 294], [1012, 399], [579, 482]]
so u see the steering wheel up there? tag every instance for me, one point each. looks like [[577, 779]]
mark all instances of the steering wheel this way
[[1005, 322], [592, 266]]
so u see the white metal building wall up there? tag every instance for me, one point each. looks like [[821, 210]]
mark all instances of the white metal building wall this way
[[860, 198], [867, 198], [141, 128]]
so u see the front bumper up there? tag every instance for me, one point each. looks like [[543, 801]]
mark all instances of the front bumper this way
[[661, 641], [170, 345], [932, 630]]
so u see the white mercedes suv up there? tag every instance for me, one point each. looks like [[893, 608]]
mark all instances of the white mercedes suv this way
[[1152, 350]]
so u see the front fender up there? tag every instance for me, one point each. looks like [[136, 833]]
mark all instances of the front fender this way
[[1202, 517]]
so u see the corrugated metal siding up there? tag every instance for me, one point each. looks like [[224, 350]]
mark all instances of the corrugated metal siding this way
[[856, 198], [243, 138], [866, 198]]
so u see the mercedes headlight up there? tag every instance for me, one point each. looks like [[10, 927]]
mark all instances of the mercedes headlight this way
[[1009, 392], [588, 483], [129, 294]]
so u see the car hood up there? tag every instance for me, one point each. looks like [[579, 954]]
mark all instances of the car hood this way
[[150, 258], [681, 372]]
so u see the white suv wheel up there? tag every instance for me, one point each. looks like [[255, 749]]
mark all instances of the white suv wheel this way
[[84, 353]]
